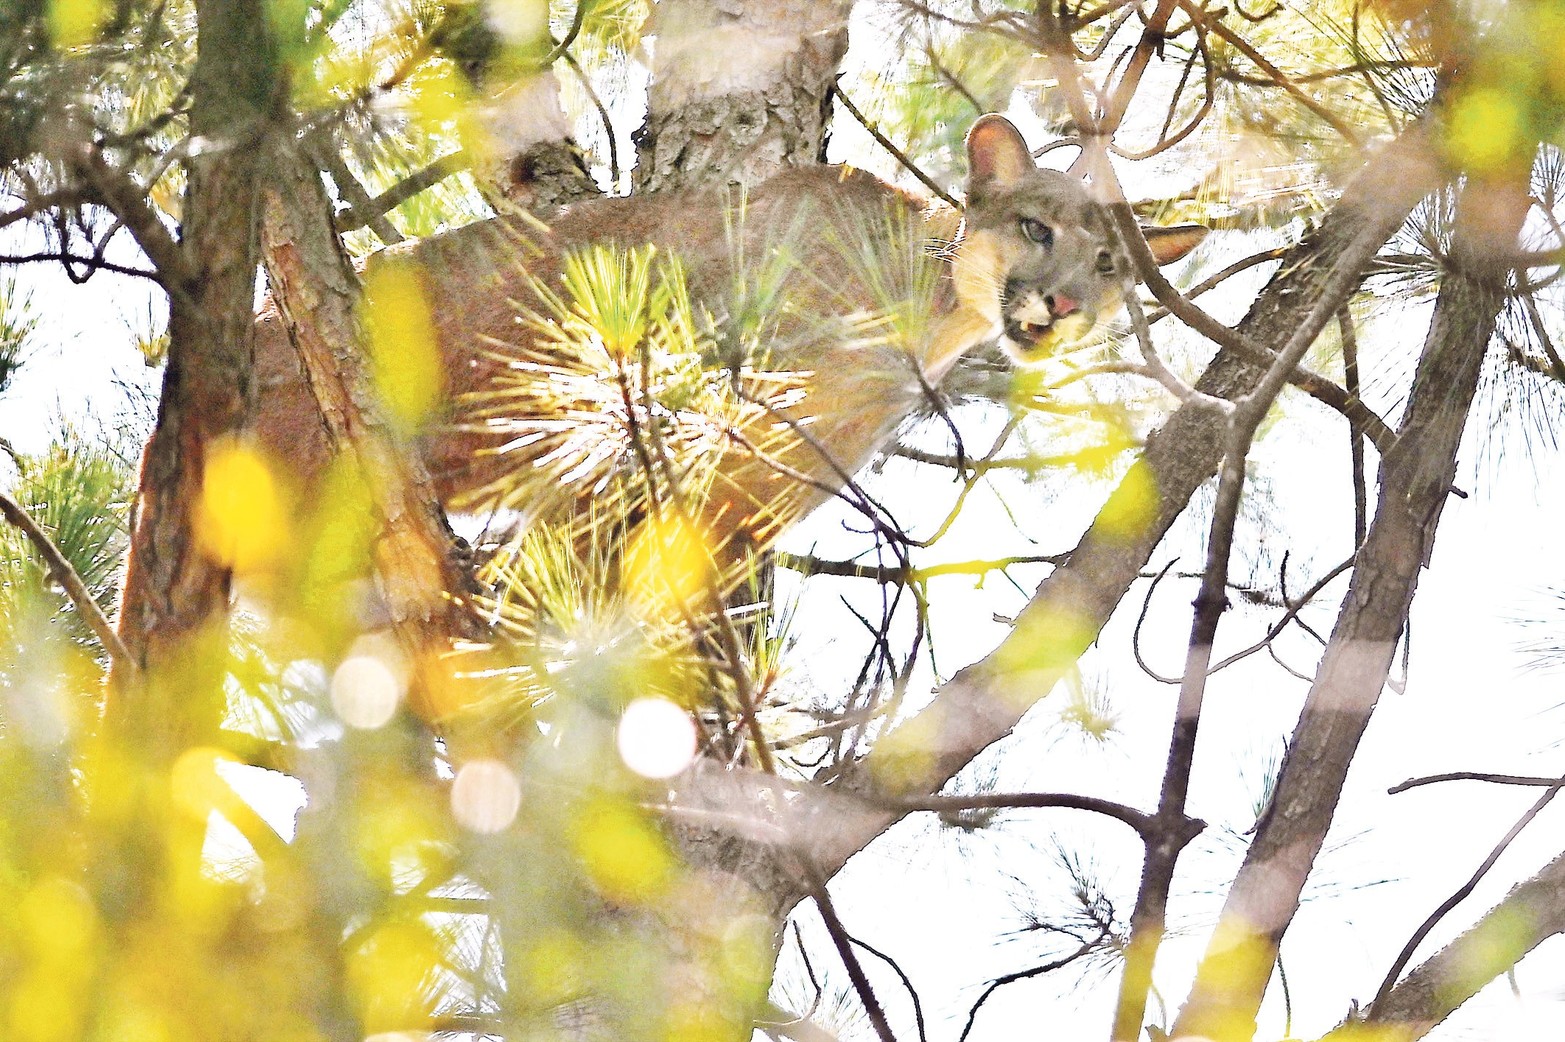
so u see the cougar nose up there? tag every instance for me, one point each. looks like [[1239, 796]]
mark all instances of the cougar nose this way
[[1060, 305]]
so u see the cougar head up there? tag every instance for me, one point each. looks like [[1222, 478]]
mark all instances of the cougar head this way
[[1036, 257]]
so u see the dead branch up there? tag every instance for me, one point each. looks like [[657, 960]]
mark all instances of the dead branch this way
[[1462, 893]]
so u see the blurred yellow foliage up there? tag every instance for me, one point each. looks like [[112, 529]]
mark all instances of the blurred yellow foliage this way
[[404, 353], [196, 787], [392, 974], [242, 521], [625, 858], [1486, 131], [76, 22], [442, 103], [669, 565]]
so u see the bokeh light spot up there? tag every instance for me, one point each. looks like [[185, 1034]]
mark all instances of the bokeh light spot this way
[[485, 796], [624, 856], [657, 739], [368, 685]]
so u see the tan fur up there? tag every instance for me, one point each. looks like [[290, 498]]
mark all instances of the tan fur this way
[[845, 393]]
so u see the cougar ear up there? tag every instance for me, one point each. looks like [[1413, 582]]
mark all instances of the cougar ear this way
[[1173, 242], [996, 152]]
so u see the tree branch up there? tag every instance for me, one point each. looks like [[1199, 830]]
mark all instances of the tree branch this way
[[1415, 481], [984, 701], [127, 200], [362, 213], [1530, 914], [61, 571]]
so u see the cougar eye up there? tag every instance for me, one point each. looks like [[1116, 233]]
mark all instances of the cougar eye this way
[[1105, 262], [1037, 231]]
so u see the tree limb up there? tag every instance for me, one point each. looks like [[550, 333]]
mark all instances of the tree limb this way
[[1415, 481], [61, 571], [1530, 914]]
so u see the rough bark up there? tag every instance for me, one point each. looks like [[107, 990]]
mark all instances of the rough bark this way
[[1530, 914], [740, 91], [420, 572], [176, 597], [1415, 481], [533, 162]]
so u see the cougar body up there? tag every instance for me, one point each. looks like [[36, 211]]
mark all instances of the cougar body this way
[[878, 294]]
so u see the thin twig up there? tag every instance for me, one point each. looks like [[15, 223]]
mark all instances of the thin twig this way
[[1481, 776], [903, 574], [1350, 378], [850, 962], [127, 200], [918, 1005], [901, 156], [1145, 824], [1461, 893], [1087, 948], [559, 49], [91, 263], [61, 571], [1281, 78]]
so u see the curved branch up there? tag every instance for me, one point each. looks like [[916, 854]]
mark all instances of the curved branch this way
[[1530, 914], [1461, 894], [1496, 779], [61, 571], [1147, 825]]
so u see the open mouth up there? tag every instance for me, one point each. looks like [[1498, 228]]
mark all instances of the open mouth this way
[[1029, 337], [1029, 342], [1028, 331]]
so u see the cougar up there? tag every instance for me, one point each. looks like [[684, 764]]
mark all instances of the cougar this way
[[825, 302]]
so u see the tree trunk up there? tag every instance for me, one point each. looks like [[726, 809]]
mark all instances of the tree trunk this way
[[740, 91], [534, 163], [421, 575], [1415, 481], [174, 612]]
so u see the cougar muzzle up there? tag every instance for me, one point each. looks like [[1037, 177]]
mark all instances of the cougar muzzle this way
[[1036, 321]]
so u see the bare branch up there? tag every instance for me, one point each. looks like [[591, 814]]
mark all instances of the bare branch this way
[[905, 574], [1415, 481], [1148, 825], [843, 941], [358, 216], [61, 571], [1497, 779], [1530, 914], [901, 157], [1461, 894], [127, 200]]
